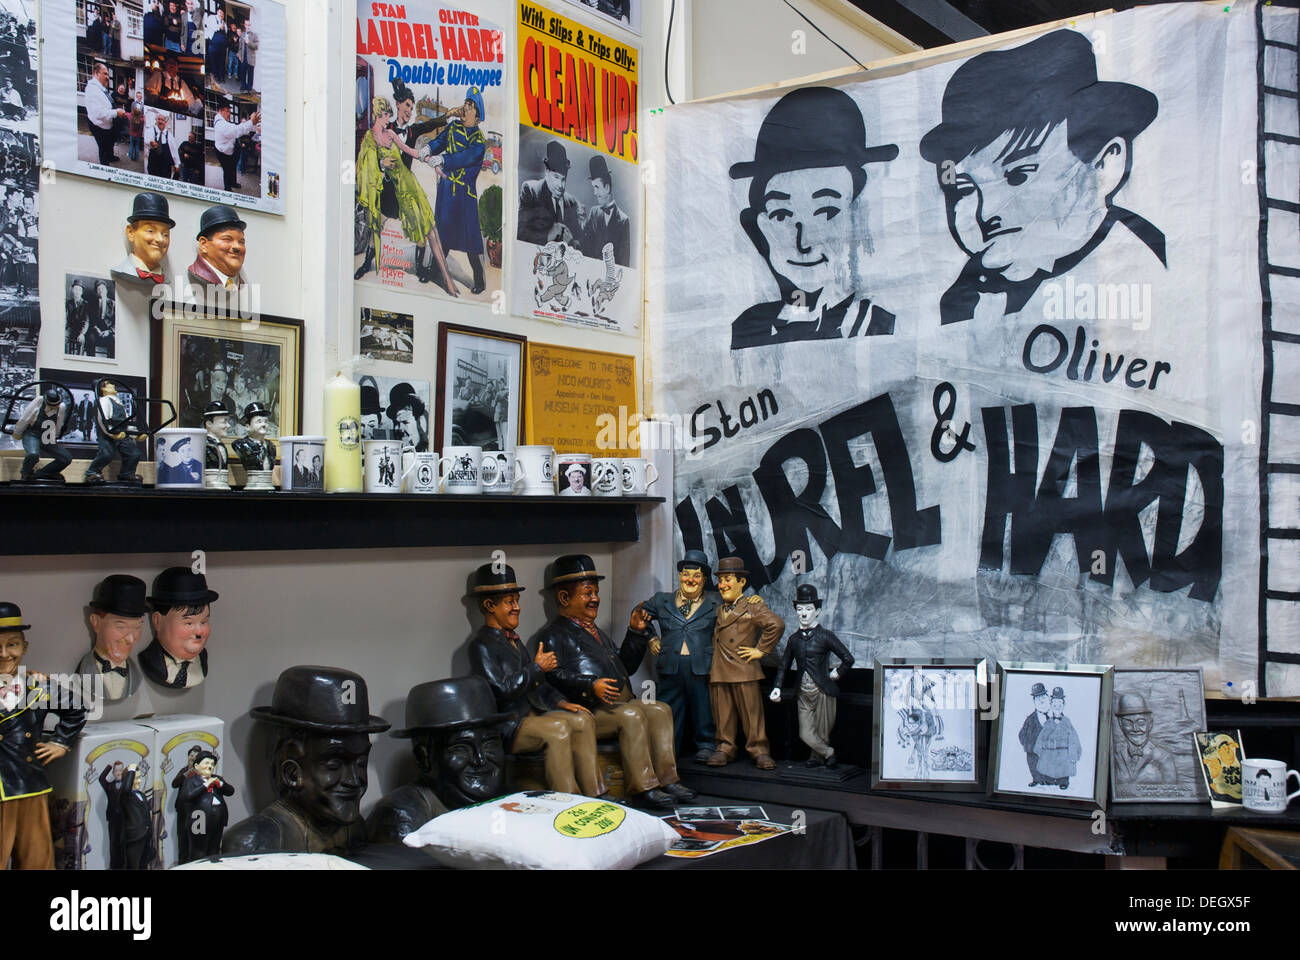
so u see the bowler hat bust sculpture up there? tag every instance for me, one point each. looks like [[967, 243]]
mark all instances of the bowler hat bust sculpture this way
[[216, 462], [181, 619], [220, 262], [323, 721], [455, 732], [148, 231], [255, 451], [117, 618]]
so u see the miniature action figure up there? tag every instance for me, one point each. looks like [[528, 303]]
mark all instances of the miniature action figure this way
[[745, 632], [39, 427], [130, 817], [117, 619], [809, 649], [593, 672], [685, 654], [181, 621], [201, 810], [537, 716], [25, 749], [216, 461], [255, 451], [221, 249], [148, 231], [323, 721], [455, 734], [116, 439]]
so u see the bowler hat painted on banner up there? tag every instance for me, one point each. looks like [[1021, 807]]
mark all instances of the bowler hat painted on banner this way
[[216, 217], [488, 582], [1038, 690], [451, 704], [732, 565], [811, 127], [1029, 86], [556, 158], [214, 409], [1130, 705], [598, 169], [181, 587], [255, 409], [807, 593], [694, 558], [11, 618], [150, 206], [321, 699], [120, 594], [572, 568]]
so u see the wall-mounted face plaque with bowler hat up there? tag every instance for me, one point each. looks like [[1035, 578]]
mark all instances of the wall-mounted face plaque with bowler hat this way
[[181, 619], [117, 612]]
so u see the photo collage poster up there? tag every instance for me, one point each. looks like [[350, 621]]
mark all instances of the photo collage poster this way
[[576, 258], [182, 96], [980, 347]]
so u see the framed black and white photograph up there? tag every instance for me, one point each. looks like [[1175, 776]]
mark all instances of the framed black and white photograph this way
[[1153, 758], [202, 360], [89, 317], [1051, 737], [82, 438], [480, 388], [385, 335], [926, 729], [395, 407]]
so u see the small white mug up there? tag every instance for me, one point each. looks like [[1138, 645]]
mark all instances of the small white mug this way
[[638, 475], [536, 471], [1263, 785], [383, 466], [464, 472], [573, 474], [507, 471], [607, 477], [420, 472]]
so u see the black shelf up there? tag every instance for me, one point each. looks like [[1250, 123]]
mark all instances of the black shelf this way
[[74, 520]]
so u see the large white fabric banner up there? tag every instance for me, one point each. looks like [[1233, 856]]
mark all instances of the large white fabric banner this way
[[990, 351]]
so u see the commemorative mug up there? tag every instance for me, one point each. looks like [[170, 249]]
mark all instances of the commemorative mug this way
[[302, 464], [573, 474], [420, 472], [505, 470], [1263, 785], [535, 470], [383, 466], [464, 472], [638, 475], [179, 453], [607, 477]]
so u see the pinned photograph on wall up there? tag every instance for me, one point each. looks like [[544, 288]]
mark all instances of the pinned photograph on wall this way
[[480, 388], [926, 733], [89, 318], [1220, 753], [396, 408], [385, 335], [1152, 758], [621, 13]]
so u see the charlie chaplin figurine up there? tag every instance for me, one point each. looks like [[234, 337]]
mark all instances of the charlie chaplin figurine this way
[[809, 649], [43, 421], [746, 631], [685, 653], [117, 432], [323, 721], [25, 748], [130, 817], [117, 618], [216, 461], [149, 234], [201, 809], [255, 451], [181, 621], [538, 716], [595, 673], [455, 732], [221, 249]]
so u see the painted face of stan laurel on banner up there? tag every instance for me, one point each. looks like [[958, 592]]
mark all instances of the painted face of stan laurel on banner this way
[[979, 346]]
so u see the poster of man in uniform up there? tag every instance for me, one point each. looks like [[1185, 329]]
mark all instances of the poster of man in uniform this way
[[183, 96], [981, 345], [430, 111], [577, 228]]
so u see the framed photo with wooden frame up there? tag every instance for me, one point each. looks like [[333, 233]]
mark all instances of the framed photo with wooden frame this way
[[926, 728], [200, 359], [480, 388], [1051, 738], [1153, 758]]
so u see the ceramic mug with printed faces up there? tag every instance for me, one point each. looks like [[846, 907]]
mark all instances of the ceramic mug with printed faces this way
[[536, 470], [573, 474], [638, 474], [607, 477], [1263, 785], [383, 466], [420, 472]]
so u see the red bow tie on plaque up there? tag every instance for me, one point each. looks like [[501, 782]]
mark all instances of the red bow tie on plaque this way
[[146, 275]]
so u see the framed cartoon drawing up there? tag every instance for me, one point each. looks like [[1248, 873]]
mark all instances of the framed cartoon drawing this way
[[926, 731], [480, 388]]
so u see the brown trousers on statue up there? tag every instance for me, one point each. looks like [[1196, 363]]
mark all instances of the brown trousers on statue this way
[[645, 738], [570, 743], [25, 834], [741, 702]]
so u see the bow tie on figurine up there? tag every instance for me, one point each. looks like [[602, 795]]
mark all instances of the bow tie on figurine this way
[[146, 275], [106, 667]]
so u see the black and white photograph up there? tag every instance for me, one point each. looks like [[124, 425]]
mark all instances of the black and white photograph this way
[[573, 476], [926, 729], [385, 335], [622, 13], [742, 813], [698, 813], [480, 388], [233, 373], [89, 317], [1051, 737], [1153, 758], [395, 408], [82, 438]]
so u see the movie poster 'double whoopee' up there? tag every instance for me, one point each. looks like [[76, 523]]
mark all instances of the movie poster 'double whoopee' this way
[[577, 228], [430, 111]]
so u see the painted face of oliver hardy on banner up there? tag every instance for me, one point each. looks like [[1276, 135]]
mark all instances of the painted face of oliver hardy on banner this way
[[1030, 154], [807, 176]]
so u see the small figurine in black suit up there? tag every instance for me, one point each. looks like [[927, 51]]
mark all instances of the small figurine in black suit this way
[[809, 649], [135, 821], [201, 810], [181, 620]]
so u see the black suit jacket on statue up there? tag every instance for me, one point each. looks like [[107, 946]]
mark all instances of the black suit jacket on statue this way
[[21, 773], [584, 659], [811, 651], [515, 678], [154, 663]]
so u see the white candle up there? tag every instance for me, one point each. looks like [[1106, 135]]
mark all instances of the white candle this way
[[342, 421]]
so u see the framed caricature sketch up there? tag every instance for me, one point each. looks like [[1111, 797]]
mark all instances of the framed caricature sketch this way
[[480, 388], [1051, 737], [926, 732], [1153, 758]]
